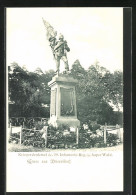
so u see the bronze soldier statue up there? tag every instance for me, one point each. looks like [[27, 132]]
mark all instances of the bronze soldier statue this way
[[59, 48], [60, 52]]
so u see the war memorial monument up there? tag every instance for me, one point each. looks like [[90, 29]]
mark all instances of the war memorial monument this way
[[63, 108]]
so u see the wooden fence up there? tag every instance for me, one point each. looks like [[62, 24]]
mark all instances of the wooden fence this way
[[113, 130], [15, 130], [20, 129], [26, 121]]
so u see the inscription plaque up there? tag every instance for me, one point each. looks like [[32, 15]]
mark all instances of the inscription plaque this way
[[53, 102], [67, 102]]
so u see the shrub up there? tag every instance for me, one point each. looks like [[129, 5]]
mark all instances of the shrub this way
[[112, 139], [39, 125], [95, 127]]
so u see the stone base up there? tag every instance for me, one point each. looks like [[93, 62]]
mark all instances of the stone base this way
[[63, 108], [64, 121]]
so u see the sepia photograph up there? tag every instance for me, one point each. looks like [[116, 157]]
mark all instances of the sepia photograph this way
[[64, 99]]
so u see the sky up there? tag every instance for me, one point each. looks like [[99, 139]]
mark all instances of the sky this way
[[93, 34]]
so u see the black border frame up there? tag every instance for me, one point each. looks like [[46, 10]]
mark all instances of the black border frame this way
[[127, 63], [127, 41]]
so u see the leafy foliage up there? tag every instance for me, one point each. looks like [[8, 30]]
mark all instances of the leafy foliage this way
[[29, 91], [97, 90], [112, 139]]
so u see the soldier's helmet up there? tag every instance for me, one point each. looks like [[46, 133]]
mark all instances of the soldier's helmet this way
[[61, 36]]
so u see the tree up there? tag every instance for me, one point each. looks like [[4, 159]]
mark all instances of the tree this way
[[97, 88], [29, 91], [38, 71], [95, 91], [77, 70]]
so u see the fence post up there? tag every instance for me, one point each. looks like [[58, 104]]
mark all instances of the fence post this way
[[46, 135], [10, 130], [77, 135], [21, 135], [23, 125], [118, 131], [105, 130]]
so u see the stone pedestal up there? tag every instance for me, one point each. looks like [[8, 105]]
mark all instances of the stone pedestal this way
[[63, 108]]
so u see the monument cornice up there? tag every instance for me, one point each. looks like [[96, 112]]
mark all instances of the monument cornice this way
[[62, 79]]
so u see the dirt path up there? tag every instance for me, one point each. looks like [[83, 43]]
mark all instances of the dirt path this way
[[21, 148]]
